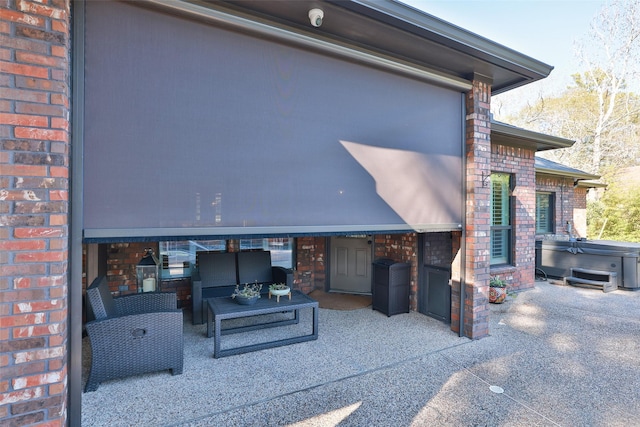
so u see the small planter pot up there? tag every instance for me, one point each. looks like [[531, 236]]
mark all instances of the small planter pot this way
[[497, 295], [280, 292], [246, 300]]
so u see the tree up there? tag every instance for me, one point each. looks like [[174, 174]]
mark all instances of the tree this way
[[599, 111], [575, 114], [616, 216], [611, 57]]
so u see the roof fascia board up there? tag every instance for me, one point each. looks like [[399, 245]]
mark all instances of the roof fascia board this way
[[513, 136], [591, 184], [453, 36], [209, 14], [565, 174]]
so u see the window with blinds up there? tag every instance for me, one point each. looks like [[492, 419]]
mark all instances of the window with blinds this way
[[544, 212], [500, 219]]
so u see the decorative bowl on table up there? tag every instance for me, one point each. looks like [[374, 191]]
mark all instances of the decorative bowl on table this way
[[248, 295], [243, 300]]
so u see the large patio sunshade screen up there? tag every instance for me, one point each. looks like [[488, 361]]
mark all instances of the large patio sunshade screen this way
[[192, 129]]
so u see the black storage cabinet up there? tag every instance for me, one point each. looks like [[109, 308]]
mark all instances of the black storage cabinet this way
[[391, 286]]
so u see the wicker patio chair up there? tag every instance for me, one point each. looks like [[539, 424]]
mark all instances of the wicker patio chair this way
[[133, 334]]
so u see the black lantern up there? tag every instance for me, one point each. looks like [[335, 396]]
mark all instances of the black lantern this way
[[148, 272]]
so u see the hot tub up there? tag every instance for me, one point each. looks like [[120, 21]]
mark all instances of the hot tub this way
[[556, 258]]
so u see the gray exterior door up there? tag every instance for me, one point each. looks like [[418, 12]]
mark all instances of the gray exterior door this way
[[350, 264]]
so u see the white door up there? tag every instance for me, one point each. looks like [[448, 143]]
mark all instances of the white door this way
[[350, 264]]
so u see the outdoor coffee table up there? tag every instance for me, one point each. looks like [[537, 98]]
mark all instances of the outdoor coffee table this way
[[225, 308]]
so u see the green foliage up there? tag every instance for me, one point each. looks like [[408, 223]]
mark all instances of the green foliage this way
[[496, 282], [278, 287], [592, 81], [616, 216], [576, 114], [249, 290], [596, 221]]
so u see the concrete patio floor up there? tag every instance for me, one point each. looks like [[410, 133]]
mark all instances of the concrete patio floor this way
[[563, 356]]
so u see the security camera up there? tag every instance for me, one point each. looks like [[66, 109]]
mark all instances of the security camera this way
[[315, 16]]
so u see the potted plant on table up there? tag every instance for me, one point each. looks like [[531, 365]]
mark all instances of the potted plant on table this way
[[278, 290], [248, 295], [497, 290]]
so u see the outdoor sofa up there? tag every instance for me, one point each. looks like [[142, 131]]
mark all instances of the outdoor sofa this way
[[218, 273]]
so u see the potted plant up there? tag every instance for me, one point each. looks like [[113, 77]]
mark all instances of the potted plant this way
[[248, 295], [279, 289], [497, 290]]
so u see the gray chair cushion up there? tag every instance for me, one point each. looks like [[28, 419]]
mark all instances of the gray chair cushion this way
[[254, 267], [217, 269]]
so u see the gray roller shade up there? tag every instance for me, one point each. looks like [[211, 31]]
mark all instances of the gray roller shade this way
[[191, 129]]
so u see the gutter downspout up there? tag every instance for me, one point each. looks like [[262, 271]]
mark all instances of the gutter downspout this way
[[463, 235]]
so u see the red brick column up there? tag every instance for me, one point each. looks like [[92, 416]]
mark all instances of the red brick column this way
[[310, 263], [477, 237], [34, 206]]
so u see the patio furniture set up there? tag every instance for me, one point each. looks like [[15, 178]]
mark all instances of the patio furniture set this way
[[218, 273], [141, 333]]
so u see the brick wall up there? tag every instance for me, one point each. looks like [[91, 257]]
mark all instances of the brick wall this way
[[478, 158], [580, 198], [310, 270], [580, 211], [565, 203], [34, 207], [438, 249], [122, 259], [520, 163], [401, 248], [456, 266]]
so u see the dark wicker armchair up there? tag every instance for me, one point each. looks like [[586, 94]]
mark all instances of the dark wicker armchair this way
[[133, 334]]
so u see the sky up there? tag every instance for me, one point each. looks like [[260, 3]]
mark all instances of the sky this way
[[542, 29]]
